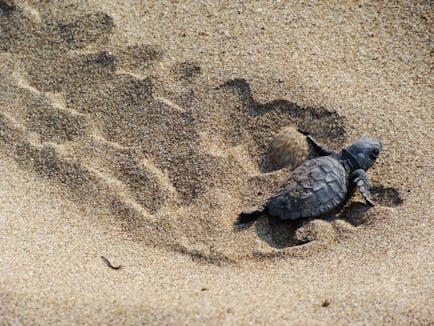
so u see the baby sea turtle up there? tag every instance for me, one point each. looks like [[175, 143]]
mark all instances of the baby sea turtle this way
[[321, 185]]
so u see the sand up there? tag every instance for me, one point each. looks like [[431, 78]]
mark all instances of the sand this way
[[139, 131]]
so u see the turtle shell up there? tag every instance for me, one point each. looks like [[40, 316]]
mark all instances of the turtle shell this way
[[314, 188]]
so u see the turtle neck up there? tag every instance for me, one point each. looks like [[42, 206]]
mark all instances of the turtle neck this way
[[349, 161]]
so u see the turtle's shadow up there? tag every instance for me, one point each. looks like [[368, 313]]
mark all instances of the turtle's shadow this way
[[279, 236]]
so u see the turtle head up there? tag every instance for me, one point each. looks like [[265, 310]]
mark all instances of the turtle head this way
[[365, 151]]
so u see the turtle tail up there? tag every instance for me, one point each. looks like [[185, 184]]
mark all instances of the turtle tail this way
[[251, 216]]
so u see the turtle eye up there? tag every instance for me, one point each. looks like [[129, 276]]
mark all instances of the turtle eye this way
[[374, 153]]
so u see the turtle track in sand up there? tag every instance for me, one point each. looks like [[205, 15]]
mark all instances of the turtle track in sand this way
[[174, 167]]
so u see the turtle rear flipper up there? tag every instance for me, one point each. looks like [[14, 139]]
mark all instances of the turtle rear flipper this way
[[250, 216]]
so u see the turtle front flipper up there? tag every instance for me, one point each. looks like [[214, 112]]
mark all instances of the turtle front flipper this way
[[360, 179], [320, 149]]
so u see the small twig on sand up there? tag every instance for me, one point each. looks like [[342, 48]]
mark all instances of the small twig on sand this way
[[109, 264]]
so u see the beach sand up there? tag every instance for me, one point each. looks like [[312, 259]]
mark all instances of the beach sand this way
[[139, 131]]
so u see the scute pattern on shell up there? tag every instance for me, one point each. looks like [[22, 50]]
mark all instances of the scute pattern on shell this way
[[314, 188]]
